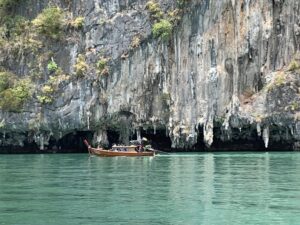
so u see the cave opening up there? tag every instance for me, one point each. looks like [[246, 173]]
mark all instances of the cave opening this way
[[8, 144], [113, 137], [71, 142], [158, 139], [281, 138], [245, 139]]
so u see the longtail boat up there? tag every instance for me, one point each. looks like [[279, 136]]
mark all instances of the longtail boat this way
[[118, 151]]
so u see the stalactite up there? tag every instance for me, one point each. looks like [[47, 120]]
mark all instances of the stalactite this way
[[266, 134], [208, 133], [41, 144], [258, 129], [138, 134], [88, 119]]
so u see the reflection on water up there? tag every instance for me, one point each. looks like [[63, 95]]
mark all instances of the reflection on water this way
[[221, 188]]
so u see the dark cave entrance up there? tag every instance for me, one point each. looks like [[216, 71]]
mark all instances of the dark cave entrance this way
[[69, 143], [245, 139], [113, 137], [29, 146], [72, 142], [158, 139]]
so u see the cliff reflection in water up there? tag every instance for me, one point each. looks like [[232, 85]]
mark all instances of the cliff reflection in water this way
[[223, 188]]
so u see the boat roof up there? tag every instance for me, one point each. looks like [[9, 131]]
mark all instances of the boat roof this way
[[135, 142], [124, 146]]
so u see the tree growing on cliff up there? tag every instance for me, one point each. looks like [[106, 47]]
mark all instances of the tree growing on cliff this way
[[162, 29], [50, 22]]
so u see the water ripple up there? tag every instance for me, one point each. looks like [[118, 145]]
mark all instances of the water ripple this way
[[221, 188]]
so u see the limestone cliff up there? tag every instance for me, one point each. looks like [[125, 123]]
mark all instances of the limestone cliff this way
[[229, 71]]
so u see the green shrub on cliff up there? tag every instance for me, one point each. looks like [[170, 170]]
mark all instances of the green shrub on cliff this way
[[294, 65], [12, 26], [78, 22], [174, 16], [162, 29], [102, 66], [135, 42], [52, 66], [44, 99], [13, 92], [46, 94], [164, 22], [17, 36], [13, 98], [50, 22], [81, 66], [295, 106], [154, 10], [279, 80], [6, 80]]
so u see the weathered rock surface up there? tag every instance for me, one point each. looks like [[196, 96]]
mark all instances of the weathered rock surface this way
[[215, 79]]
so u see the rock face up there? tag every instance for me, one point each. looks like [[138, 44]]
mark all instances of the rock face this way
[[228, 72]]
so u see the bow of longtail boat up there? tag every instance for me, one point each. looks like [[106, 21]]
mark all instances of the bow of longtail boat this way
[[110, 153]]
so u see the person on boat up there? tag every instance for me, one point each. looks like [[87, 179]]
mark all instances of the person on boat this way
[[115, 148], [144, 142], [139, 144], [141, 148]]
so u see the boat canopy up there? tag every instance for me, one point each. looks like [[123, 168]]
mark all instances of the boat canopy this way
[[135, 142]]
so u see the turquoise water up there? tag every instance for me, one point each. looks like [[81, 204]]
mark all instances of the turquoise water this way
[[221, 188]]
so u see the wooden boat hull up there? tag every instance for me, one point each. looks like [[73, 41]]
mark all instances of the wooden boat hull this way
[[109, 153]]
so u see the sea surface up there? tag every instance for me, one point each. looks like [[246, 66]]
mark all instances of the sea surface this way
[[209, 188]]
